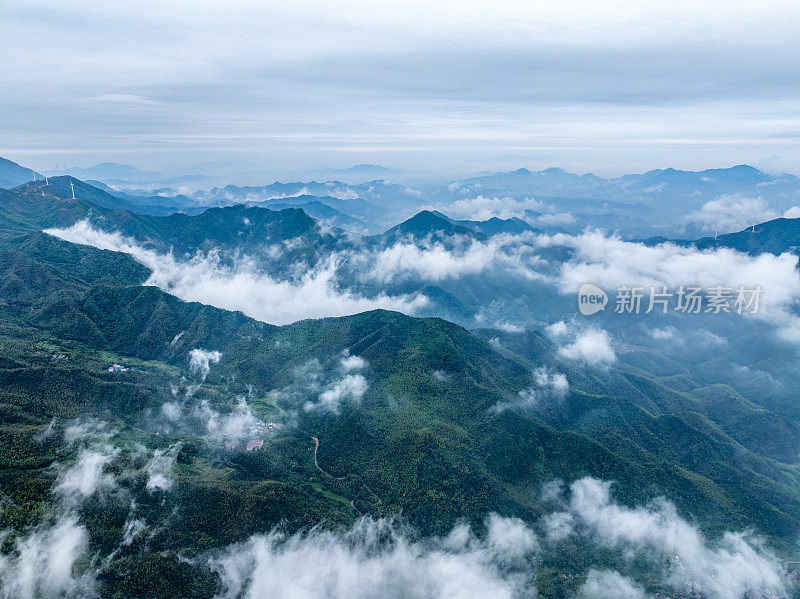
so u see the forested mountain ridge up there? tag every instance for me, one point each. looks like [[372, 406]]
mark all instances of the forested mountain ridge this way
[[376, 413]]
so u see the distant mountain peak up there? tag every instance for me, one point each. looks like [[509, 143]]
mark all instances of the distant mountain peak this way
[[109, 171], [496, 225], [440, 214], [428, 218], [366, 169], [115, 165], [426, 222], [13, 174]]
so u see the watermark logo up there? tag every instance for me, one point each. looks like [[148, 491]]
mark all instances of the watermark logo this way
[[591, 299], [662, 300]]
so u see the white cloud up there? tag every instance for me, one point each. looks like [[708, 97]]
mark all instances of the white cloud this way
[[553, 219], [483, 208], [353, 363], [510, 539], [668, 333], [49, 560], [351, 387], [728, 569], [176, 338], [172, 410], [558, 526], [695, 338], [87, 431], [48, 432], [612, 263], [204, 279], [86, 475], [434, 261], [374, 559], [552, 491], [555, 382], [709, 339], [592, 346], [132, 529], [547, 386], [122, 99], [793, 212], [508, 327], [160, 467], [607, 584], [315, 388], [731, 213], [233, 427], [200, 361], [43, 562], [558, 329], [655, 188], [440, 376], [343, 193]]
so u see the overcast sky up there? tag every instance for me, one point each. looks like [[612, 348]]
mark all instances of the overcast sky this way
[[607, 87]]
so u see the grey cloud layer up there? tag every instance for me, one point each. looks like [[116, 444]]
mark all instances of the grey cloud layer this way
[[281, 80]]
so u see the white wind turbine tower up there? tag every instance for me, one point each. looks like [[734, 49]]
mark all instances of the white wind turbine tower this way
[[73, 189]]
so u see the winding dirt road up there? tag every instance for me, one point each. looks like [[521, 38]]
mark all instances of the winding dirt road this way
[[328, 474], [316, 463]]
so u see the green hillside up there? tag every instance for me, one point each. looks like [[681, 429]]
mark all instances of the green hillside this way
[[424, 438]]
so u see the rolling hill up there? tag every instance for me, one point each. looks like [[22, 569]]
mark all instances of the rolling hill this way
[[12, 174], [376, 413]]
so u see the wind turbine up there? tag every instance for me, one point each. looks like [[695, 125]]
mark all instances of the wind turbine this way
[[73, 189]]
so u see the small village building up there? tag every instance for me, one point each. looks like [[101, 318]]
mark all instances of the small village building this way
[[254, 444]]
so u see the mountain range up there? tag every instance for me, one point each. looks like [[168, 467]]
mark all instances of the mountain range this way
[[109, 367], [668, 202], [651, 187]]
